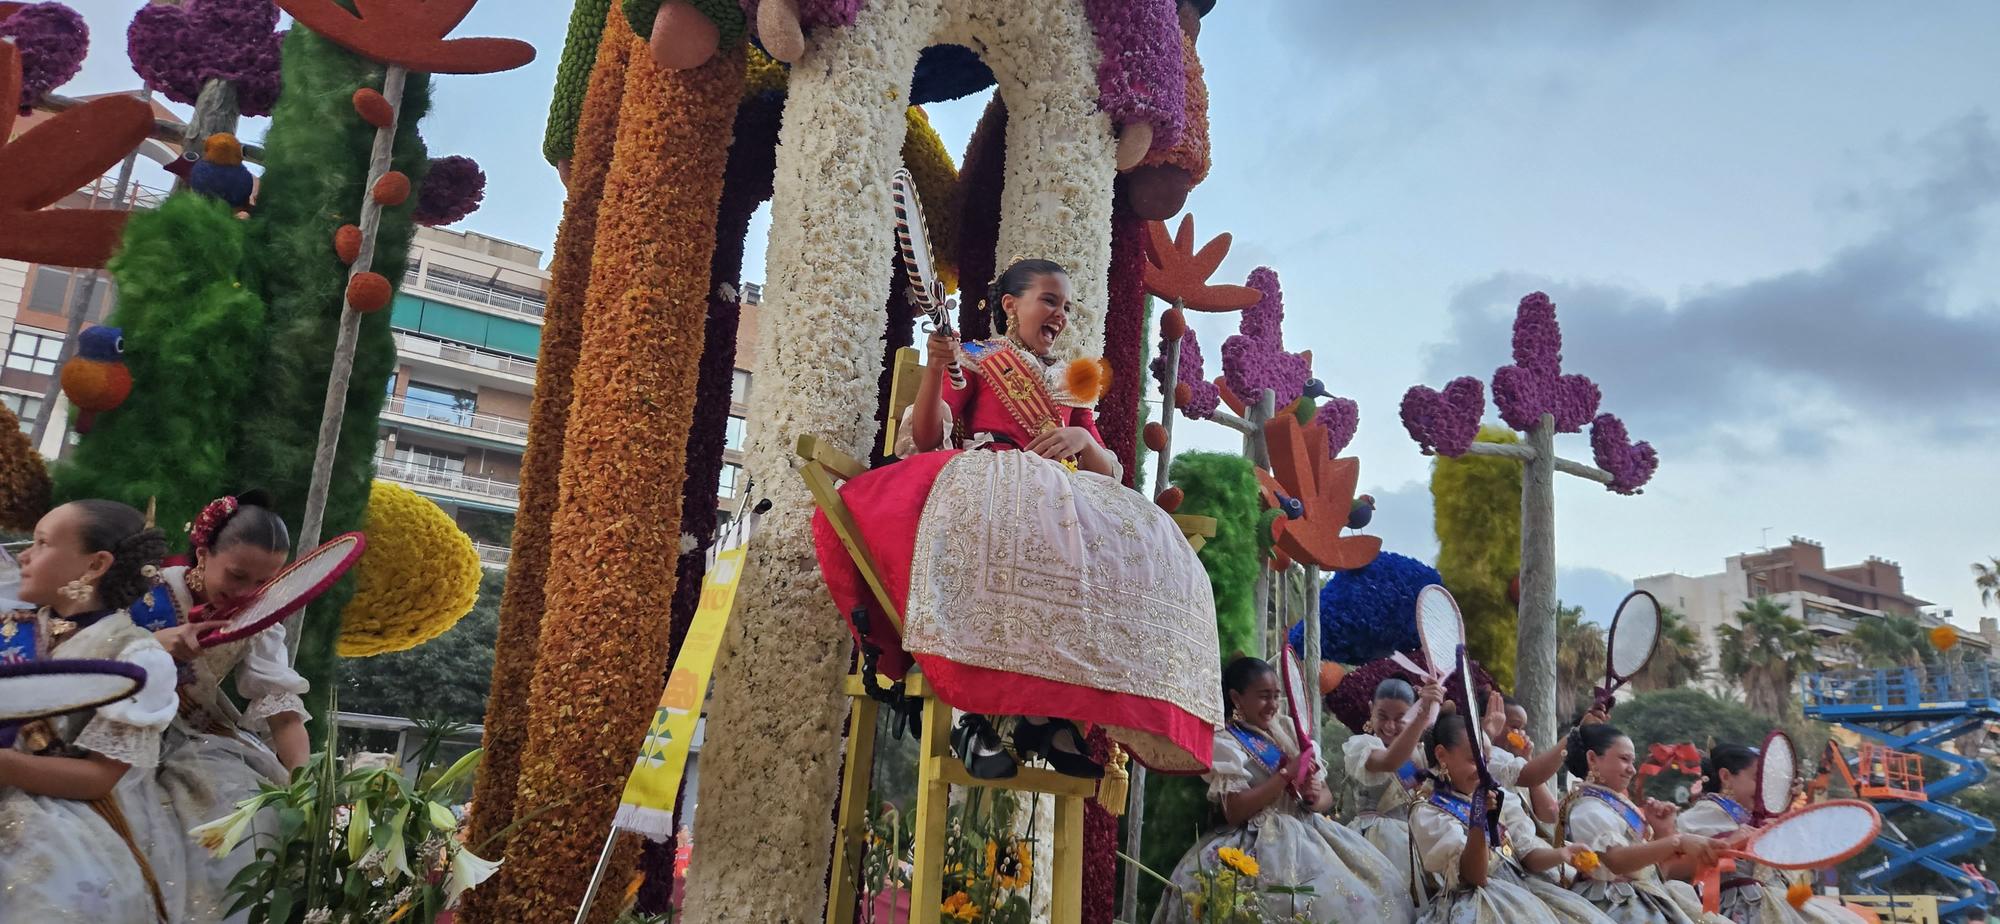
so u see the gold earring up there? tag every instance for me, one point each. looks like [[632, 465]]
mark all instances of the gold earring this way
[[77, 590], [195, 581], [1368, 727]]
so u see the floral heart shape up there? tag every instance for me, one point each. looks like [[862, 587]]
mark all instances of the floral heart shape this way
[[51, 39], [1444, 423], [177, 49], [1341, 417], [1631, 464]]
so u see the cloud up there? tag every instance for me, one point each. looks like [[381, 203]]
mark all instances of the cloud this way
[[1596, 590], [1352, 31], [1777, 364]]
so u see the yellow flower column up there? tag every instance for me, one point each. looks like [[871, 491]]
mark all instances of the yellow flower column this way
[[562, 332], [614, 539]]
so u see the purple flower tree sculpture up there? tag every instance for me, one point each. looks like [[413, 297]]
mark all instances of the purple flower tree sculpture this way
[[1255, 361], [1537, 398], [219, 56], [52, 39]]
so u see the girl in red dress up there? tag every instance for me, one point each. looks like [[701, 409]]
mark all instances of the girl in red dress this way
[[1030, 581]]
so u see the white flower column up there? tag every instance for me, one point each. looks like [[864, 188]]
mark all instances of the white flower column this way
[[774, 750]]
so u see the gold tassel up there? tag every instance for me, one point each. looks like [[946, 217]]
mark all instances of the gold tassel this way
[[1116, 787]]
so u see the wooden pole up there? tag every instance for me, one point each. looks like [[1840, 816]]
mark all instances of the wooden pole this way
[[1310, 613], [350, 331], [1260, 456], [1135, 811], [1535, 638]]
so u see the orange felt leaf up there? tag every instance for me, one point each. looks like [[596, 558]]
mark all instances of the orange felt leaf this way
[[369, 292], [1170, 499], [410, 34], [1230, 398], [392, 188], [54, 159], [347, 243], [373, 107], [1301, 469], [1176, 272]]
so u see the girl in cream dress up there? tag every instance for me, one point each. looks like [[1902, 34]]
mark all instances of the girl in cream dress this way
[[1384, 764], [1751, 894], [1632, 847]]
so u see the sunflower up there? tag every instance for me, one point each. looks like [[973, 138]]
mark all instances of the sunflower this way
[[1238, 860], [959, 907], [1012, 869]]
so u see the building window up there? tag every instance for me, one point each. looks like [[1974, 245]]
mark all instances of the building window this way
[[436, 460], [732, 435], [436, 402], [34, 352], [54, 287], [739, 388], [26, 407], [731, 481]]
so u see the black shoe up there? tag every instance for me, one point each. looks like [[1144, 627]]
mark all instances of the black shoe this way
[[979, 746], [1058, 743]]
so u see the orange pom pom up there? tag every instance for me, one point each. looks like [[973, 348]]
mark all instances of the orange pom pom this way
[[95, 385], [1798, 894], [368, 292], [1156, 437], [1170, 499], [1330, 676], [1587, 861], [1173, 324], [1943, 638], [347, 243], [373, 107], [392, 189], [1086, 379], [1183, 393]]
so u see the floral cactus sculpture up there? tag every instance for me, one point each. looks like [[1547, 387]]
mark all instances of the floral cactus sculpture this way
[[1537, 398]]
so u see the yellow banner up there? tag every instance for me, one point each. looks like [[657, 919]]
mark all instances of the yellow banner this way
[[648, 804]]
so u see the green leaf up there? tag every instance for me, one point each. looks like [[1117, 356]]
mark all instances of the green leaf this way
[[281, 904], [290, 821], [464, 766], [247, 874]]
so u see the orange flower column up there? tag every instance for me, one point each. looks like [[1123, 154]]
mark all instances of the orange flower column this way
[[615, 537], [562, 333]]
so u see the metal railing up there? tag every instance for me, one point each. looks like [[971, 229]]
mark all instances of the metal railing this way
[[424, 476], [504, 427], [459, 354], [485, 295], [102, 194], [1898, 687], [493, 556]]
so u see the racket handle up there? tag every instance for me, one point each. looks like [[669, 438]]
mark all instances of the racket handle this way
[[956, 375]]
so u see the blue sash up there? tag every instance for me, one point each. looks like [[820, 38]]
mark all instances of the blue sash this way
[[157, 610], [1409, 775], [1461, 809], [19, 637], [1633, 819], [1264, 749], [1737, 813]]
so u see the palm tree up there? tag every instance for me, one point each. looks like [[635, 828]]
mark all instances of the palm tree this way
[[1579, 659], [1891, 640], [1986, 577], [1764, 654], [1679, 660]]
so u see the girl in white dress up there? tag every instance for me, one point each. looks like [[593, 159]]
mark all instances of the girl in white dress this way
[[1633, 846], [1751, 894], [1282, 831], [1472, 881], [213, 756], [77, 797], [1384, 764]]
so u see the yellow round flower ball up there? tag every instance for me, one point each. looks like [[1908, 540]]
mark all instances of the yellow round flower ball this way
[[418, 577]]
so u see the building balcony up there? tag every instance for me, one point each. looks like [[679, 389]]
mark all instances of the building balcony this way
[[458, 487], [484, 296], [484, 366], [454, 422], [493, 557]]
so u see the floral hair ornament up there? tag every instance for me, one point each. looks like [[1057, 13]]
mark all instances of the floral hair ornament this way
[[201, 533]]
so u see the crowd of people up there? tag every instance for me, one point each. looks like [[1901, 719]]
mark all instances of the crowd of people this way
[[97, 807]]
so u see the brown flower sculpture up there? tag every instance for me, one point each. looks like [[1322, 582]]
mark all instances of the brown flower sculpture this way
[[410, 34], [1324, 489], [51, 161], [1177, 273]]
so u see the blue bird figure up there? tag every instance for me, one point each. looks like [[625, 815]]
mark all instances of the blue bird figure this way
[[95, 379], [220, 172]]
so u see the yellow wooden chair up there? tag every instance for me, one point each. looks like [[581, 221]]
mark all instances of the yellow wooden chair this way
[[824, 468]]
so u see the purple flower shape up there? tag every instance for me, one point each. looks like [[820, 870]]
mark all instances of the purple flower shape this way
[[52, 39], [1535, 384], [176, 49], [1631, 464], [1341, 417], [1445, 423], [1255, 358], [1203, 396], [453, 189], [1141, 74]]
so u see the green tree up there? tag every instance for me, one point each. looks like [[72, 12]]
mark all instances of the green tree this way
[[1764, 654], [1477, 500], [1579, 660], [1890, 640], [1680, 660], [444, 678], [1986, 577]]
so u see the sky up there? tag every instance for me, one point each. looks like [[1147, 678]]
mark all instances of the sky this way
[[1770, 231]]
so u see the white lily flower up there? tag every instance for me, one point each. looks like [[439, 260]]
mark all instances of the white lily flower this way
[[221, 836], [442, 818], [467, 870]]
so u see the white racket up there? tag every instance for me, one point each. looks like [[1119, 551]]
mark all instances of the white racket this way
[[288, 591], [1777, 764], [1815, 837], [1634, 636], [912, 238]]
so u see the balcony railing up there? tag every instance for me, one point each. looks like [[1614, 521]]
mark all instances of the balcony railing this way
[[485, 295], [424, 476], [493, 556], [459, 354], [100, 193], [506, 428]]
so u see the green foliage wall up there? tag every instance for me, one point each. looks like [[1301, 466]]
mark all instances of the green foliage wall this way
[[193, 334], [1477, 500], [1222, 486], [315, 173]]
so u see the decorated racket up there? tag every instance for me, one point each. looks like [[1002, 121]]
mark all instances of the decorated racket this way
[[1440, 634], [1296, 705], [287, 592], [1777, 764], [31, 690], [1635, 634], [1815, 837], [1476, 733], [914, 241]]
